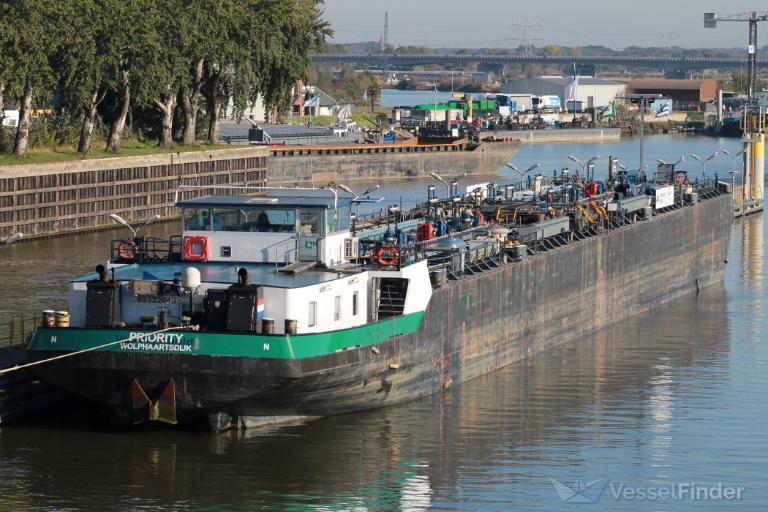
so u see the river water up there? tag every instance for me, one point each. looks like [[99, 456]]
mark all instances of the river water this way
[[672, 398]]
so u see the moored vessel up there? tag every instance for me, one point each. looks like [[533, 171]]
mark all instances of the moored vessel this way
[[278, 303]]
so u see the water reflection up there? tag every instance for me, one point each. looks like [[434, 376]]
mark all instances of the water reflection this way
[[491, 439], [675, 395]]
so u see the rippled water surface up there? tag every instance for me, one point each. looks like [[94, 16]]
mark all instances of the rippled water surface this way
[[675, 396]]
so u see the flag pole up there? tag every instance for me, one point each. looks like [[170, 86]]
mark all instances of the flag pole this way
[[573, 91]]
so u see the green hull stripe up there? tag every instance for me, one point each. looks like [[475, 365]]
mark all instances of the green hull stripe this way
[[227, 345]]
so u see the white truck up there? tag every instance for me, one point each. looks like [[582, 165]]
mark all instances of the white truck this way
[[547, 104]]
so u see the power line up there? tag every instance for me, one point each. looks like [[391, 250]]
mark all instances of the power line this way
[[526, 41]]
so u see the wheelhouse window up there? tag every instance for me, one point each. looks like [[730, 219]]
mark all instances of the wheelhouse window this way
[[309, 222], [337, 308], [338, 219], [355, 297], [197, 219], [260, 220]]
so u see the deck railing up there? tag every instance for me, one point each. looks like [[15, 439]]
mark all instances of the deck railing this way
[[16, 330]]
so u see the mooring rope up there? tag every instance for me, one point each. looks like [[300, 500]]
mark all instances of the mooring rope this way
[[135, 337]]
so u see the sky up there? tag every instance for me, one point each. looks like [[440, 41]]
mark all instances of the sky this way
[[616, 24]]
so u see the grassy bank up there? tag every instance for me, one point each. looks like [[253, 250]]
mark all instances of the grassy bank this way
[[63, 154], [363, 119]]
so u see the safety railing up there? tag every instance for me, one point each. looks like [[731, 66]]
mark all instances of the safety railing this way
[[17, 329], [146, 250]]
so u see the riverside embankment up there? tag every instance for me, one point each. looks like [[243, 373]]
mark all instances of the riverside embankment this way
[[66, 197]]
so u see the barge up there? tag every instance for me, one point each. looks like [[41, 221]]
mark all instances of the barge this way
[[283, 303]]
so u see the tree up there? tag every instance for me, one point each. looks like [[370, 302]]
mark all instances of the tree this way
[[374, 91], [28, 34], [198, 40], [228, 59], [280, 62], [164, 65], [81, 63], [739, 82], [126, 49]]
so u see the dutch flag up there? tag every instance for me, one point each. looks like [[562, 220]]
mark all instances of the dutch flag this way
[[260, 308]]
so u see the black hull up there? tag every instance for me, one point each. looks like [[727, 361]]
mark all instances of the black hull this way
[[472, 326]]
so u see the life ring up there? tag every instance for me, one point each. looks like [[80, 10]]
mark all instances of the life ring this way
[[195, 248], [390, 259], [127, 249], [681, 178]]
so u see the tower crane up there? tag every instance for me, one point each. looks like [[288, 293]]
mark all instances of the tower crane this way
[[711, 20]]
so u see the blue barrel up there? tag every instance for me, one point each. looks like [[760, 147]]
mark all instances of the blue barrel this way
[[441, 227], [600, 187], [543, 205]]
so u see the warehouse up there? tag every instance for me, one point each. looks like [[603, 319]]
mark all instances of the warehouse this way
[[686, 94], [591, 91]]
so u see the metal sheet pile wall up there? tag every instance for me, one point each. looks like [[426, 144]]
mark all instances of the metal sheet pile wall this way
[[75, 196]]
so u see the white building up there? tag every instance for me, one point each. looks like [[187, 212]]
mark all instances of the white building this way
[[254, 112], [591, 91], [10, 118]]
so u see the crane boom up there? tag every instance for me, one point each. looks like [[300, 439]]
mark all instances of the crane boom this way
[[710, 21]]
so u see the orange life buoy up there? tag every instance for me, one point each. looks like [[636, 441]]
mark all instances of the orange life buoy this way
[[127, 249], [196, 248], [681, 178], [387, 256]]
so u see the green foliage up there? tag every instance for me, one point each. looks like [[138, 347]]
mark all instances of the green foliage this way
[[84, 54]]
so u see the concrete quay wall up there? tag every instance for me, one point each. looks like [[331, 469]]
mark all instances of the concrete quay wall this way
[[557, 135], [322, 166]]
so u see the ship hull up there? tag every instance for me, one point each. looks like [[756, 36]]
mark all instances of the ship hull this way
[[471, 327]]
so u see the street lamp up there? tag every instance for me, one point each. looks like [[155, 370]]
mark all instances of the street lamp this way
[[679, 161], [733, 157], [345, 189], [441, 180], [369, 190], [584, 167], [117, 218], [641, 99], [703, 162], [521, 173]]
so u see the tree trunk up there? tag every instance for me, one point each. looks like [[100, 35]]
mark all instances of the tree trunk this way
[[2, 102], [214, 105], [166, 108], [89, 119], [117, 128], [22, 131], [190, 103]]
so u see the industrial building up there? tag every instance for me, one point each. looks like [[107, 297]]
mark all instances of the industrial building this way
[[686, 94], [591, 91]]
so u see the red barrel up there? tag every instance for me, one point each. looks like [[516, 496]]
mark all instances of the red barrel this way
[[591, 188], [424, 232]]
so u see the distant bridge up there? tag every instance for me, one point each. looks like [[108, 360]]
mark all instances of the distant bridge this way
[[561, 60]]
